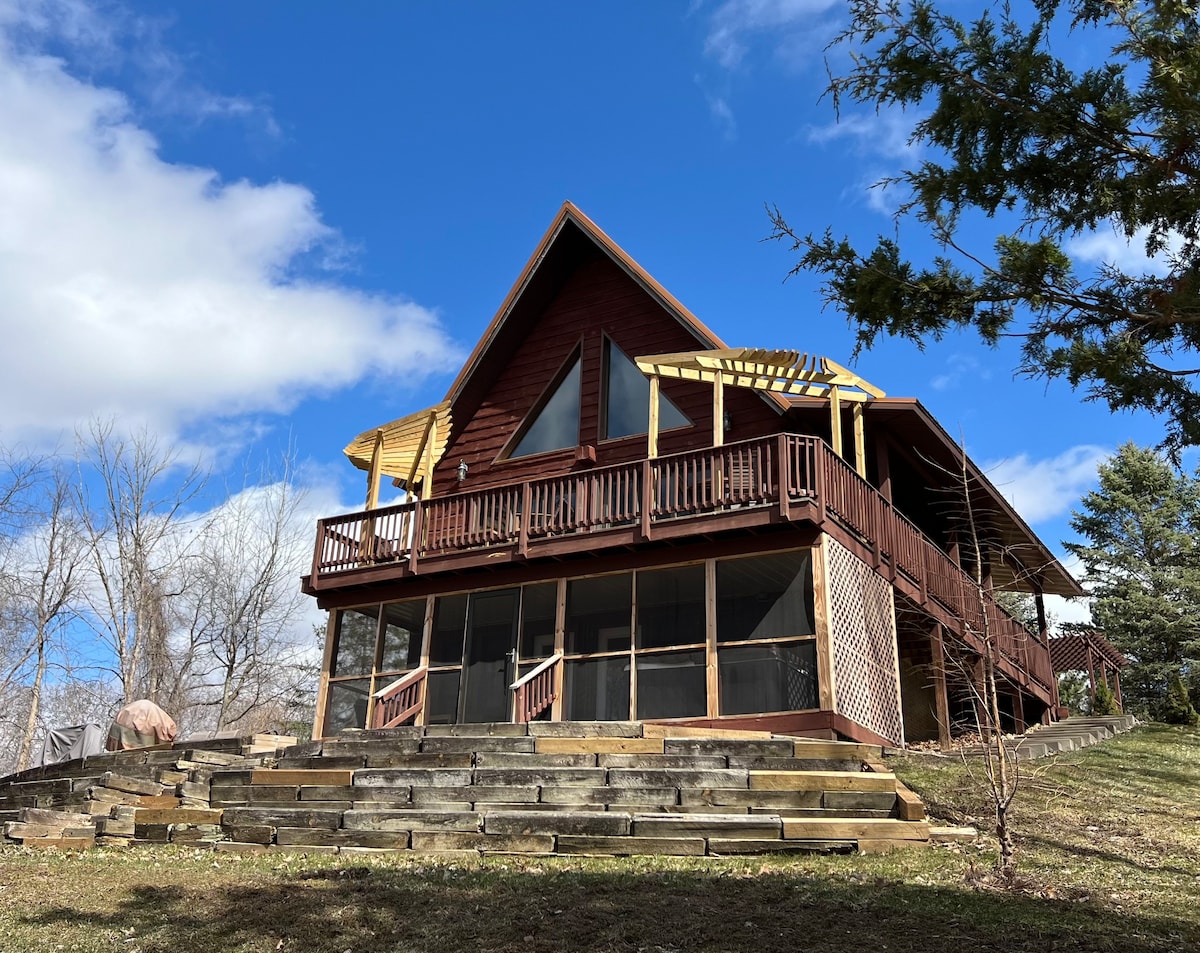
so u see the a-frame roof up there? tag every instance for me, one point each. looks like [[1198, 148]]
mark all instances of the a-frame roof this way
[[570, 235]]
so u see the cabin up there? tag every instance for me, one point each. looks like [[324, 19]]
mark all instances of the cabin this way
[[615, 516]]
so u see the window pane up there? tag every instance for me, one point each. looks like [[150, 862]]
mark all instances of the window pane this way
[[627, 398], [356, 642], [598, 612], [597, 690], [671, 685], [346, 705], [759, 678], [670, 607], [557, 423], [765, 597], [537, 620], [441, 698], [449, 622], [403, 626]]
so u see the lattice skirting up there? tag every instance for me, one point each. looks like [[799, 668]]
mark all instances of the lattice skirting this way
[[862, 624]]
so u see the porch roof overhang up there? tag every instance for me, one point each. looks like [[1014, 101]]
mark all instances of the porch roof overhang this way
[[1028, 564], [406, 449]]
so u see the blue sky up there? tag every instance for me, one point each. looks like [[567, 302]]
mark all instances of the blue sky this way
[[255, 225]]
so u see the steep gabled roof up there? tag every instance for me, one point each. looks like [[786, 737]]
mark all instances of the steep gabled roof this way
[[570, 238]]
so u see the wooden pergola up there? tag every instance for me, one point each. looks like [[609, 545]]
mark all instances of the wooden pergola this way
[[1087, 650], [788, 373], [406, 449]]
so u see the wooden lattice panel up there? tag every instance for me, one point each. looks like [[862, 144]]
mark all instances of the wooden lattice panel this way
[[863, 628]]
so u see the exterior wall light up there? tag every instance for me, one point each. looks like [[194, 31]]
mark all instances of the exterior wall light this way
[[462, 470]]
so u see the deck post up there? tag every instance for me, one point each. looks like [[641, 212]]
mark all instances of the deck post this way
[[560, 639], [783, 477], [718, 409], [647, 501], [941, 699]]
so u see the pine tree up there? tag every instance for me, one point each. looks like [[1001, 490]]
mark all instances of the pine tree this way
[[1142, 565], [1010, 127]]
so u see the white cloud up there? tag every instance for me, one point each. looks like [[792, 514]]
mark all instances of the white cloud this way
[[736, 23], [960, 367], [1107, 246], [158, 292], [1044, 489]]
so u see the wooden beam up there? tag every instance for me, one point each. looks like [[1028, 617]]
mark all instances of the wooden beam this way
[[860, 441], [323, 685], [826, 683], [427, 635], [376, 471], [652, 432], [941, 698], [712, 673], [835, 420], [718, 424], [560, 639]]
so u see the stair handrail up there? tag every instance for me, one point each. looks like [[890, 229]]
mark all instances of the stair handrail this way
[[535, 691], [400, 700]]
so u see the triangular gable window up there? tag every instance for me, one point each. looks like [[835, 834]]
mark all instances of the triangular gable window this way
[[627, 398], [555, 421]]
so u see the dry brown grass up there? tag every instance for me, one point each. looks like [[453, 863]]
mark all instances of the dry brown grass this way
[[1110, 859]]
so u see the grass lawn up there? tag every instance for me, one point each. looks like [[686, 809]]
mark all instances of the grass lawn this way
[[1109, 855]]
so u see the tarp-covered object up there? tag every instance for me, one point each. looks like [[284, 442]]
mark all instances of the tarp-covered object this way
[[140, 724], [67, 744]]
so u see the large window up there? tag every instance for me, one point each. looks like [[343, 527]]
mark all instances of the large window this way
[[554, 423], [597, 642], [627, 398]]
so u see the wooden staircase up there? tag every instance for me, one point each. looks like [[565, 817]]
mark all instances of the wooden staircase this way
[[613, 788]]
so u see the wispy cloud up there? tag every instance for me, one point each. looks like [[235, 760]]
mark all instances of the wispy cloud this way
[[156, 292], [782, 25], [960, 367], [1046, 489], [1107, 246]]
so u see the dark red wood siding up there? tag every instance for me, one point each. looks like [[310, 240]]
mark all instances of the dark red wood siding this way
[[596, 298]]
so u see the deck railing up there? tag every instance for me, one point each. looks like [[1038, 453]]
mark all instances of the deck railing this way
[[536, 690], [401, 700], [777, 470]]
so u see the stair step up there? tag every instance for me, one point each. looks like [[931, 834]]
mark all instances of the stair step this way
[[753, 826], [413, 820], [598, 823]]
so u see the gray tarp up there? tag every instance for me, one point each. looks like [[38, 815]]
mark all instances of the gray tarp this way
[[66, 744]]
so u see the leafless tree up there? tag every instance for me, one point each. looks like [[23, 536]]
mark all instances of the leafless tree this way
[[242, 604], [55, 552], [133, 496]]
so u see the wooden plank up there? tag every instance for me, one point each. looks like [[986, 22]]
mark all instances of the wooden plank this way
[[650, 730], [652, 433], [909, 806], [182, 815], [283, 776], [631, 846], [711, 671], [833, 750], [871, 828], [546, 745], [821, 781]]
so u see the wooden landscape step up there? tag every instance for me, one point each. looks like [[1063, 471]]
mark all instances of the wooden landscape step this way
[[616, 788]]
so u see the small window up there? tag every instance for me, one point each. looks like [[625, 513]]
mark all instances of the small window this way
[[627, 398], [554, 423]]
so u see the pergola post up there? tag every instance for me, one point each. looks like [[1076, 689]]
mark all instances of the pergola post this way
[[376, 472], [652, 430], [835, 420], [718, 411], [860, 440]]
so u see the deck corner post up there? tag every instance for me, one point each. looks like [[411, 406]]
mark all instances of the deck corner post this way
[[647, 501]]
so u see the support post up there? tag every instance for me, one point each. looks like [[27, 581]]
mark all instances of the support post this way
[[711, 671], [835, 420], [718, 411], [860, 439], [652, 431], [941, 698]]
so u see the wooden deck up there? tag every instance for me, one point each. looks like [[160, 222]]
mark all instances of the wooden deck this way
[[746, 486]]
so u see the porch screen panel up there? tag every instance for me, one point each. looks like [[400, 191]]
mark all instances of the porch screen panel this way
[[865, 662], [597, 670], [346, 706], [357, 629], [766, 648], [403, 627]]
